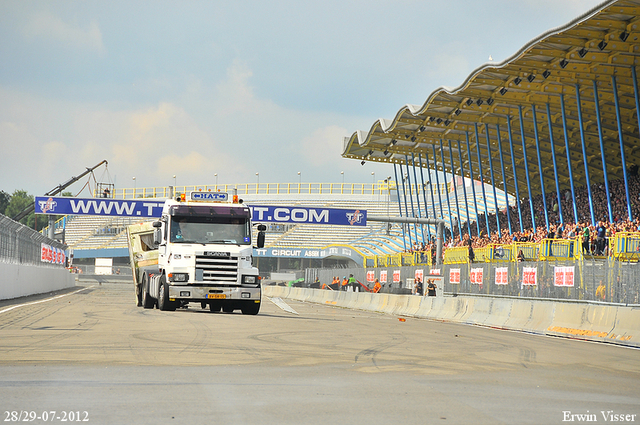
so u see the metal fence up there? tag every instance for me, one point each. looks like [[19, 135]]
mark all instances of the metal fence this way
[[123, 270], [21, 245], [604, 280]]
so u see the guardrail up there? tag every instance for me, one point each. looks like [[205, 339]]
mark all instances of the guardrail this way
[[622, 247], [21, 245], [379, 188]]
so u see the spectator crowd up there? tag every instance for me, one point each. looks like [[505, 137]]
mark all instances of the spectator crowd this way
[[593, 237]]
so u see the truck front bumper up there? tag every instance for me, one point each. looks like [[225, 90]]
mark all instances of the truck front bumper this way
[[210, 293]]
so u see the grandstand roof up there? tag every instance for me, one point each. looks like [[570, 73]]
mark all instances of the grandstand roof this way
[[545, 74]]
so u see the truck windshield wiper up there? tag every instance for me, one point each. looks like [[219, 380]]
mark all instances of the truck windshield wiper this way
[[223, 241]]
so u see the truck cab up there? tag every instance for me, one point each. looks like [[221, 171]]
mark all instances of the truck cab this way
[[204, 255]]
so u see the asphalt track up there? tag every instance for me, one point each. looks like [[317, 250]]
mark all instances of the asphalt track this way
[[92, 350]]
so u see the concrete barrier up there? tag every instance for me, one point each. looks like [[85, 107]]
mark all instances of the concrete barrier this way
[[590, 321], [626, 327], [587, 321], [20, 280]]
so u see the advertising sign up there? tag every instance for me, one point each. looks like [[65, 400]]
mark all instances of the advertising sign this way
[[476, 276], [419, 274], [283, 214], [396, 276], [563, 276], [152, 208], [454, 276], [530, 276], [50, 254], [371, 276], [97, 206], [502, 274], [383, 276]]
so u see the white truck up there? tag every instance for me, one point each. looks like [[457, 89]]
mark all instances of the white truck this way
[[199, 251]]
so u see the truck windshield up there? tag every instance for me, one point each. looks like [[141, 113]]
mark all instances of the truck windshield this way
[[203, 230]]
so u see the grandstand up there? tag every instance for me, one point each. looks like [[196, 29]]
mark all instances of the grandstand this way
[[85, 234]]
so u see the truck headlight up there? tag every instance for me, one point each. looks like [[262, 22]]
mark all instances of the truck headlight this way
[[251, 280], [178, 277]]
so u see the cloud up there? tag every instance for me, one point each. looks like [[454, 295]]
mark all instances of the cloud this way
[[323, 146], [49, 27]]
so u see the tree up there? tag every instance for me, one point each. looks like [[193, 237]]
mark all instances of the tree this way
[[5, 198], [20, 199]]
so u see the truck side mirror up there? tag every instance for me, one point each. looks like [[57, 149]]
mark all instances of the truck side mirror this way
[[261, 235], [157, 236], [157, 224]]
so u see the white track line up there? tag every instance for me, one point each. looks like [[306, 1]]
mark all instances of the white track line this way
[[278, 301], [45, 300]]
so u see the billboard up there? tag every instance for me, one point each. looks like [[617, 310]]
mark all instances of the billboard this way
[[144, 208], [283, 214], [152, 208]]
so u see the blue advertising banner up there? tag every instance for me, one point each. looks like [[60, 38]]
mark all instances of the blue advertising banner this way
[[152, 208], [98, 206], [283, 214]]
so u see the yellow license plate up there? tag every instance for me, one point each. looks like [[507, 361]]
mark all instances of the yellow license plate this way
[[216, 296]]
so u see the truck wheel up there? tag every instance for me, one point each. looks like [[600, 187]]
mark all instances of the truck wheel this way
[[137, 288], [214, 308], [203, 305], [252, 309], [227, 308], [147, 301], [163, 296]]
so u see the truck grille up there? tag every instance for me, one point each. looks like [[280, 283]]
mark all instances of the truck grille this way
[[217, 269]]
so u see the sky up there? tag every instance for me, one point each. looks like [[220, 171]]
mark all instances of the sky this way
[[233, 88]]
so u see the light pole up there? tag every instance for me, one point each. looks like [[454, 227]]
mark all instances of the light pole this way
[[216, 176], [388, 182], [258, 182], [342, 172], [134, 187], [373, 183]]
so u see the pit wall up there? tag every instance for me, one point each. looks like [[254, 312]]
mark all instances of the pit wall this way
[[19, 280], [587, 321]]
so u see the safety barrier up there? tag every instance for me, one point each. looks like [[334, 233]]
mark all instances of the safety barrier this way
[[626, 246], [622, 247], [379, 188], [587, 321]]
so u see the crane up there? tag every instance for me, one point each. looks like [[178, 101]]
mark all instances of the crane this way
[[58, 189]]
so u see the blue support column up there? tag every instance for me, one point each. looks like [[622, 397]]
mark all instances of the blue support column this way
[[484, 195], [515, 175], [504, 179], [433, 202], [604, 160], [424, 196], [444, 171], [635, 92], [404, 236], [438, 186], [555, 163], [584, 155], [493, 181], [455, 191], [464, 189], [473, 183], [526, 168], [544, 194], [415, 179], [404, 194], [413, 211], [566, 146], [624, 162]]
